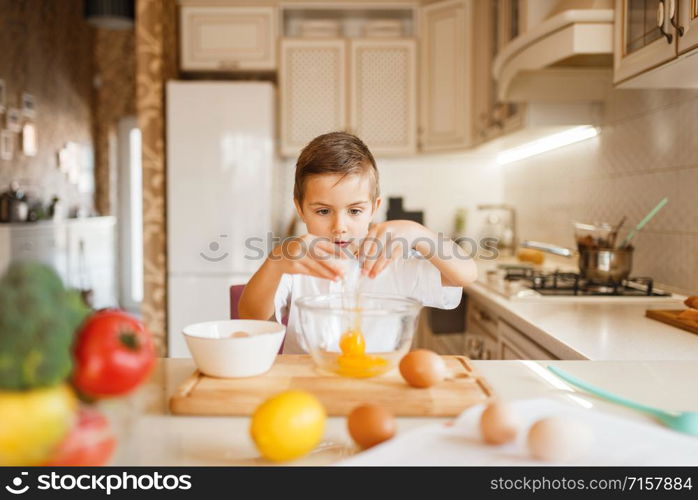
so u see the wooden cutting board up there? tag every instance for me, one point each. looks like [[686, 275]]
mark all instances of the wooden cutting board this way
[[203, 395], [670, 318]]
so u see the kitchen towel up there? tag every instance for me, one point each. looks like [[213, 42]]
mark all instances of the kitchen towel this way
[[616, 441]]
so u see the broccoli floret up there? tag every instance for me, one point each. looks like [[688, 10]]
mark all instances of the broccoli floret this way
[[38, 321]]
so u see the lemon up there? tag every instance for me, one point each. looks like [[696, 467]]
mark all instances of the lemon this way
[[288, 425], [33, 422]]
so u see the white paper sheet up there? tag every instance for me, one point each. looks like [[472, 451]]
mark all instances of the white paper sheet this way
[[617, 441]]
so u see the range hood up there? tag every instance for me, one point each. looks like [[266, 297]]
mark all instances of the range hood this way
[[565, 58]]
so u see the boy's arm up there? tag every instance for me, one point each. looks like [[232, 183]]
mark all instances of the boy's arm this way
[[257, 300], [456, 268], [295, 256]]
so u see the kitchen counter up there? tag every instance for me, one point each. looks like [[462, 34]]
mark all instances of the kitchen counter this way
[[600, 328], [149, 436]]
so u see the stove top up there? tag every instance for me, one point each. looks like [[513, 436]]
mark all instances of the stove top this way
[[564, 283], [527, 282]]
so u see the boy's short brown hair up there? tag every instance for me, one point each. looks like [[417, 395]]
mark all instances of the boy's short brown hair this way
[[335, 153]]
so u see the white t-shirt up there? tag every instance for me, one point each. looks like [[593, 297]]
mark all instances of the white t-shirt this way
[[414, 277]]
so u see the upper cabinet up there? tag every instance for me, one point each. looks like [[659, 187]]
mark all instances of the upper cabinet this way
[[446, 62], [688, 22], [540, 67], [654, 40], [382, 97], [365, 86], [645, 37], [352, 68], [313, 90], [221, 38], [495, 24]]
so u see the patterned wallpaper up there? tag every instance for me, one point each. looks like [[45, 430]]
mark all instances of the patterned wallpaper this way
[[47, 52], [156, 62], [114, 98]]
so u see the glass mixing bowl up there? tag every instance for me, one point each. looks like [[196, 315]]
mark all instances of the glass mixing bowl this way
[[362, 335]]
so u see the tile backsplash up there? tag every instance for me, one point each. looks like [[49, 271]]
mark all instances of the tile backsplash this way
[[647, 149], [47, 52]]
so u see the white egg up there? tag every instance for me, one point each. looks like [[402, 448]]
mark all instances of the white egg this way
[[559, 439]]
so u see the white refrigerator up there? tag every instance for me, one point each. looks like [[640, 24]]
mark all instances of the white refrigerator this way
[[220, 160]]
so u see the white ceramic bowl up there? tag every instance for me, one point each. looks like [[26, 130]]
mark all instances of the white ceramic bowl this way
[[218, 354]]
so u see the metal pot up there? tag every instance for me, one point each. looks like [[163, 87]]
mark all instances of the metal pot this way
[[13, 205], [599, 265]]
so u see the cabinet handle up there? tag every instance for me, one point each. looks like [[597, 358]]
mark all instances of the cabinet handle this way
[[474, 347], [498, 115], [661, 16], [483, 316], [672, 17]]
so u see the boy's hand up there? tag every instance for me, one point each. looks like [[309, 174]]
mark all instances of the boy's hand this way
[[388, 241], [308, 254]]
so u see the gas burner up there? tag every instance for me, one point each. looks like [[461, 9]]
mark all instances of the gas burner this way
[[565, 283]]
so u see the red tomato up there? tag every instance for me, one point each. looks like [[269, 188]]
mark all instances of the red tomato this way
[[89, 443], [114, 353]]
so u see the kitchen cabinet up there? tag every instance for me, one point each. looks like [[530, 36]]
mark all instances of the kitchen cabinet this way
[[495, 24], [91, 245], [383, 94], [653, 39], [688, 20], [481, 341], [516, 345], [447, 53], [82, 251], [221, 38], [491, 337], [440, 343], [313, 91], [366, 86], [640, 44]]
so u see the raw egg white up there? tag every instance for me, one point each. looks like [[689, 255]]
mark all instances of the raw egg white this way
[[499, 423], [559, 439], [370, 425], [422, 368]]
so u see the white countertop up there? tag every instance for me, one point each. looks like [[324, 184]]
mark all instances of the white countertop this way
[[598, 329], [149, 436]]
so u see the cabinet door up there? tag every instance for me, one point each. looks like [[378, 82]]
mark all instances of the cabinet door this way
[[491, 348], [44, 242], [228, 38], [516, 345], [495, 24], [446, 62], [313, 91], [688, 20], [639, 43], [510, 353], [483, 29], [92, 258], [383, 94]]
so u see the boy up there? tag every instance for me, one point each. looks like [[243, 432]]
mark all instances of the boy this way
[[336, 194]]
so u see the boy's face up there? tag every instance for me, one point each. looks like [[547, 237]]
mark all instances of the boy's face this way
[[338, 208]]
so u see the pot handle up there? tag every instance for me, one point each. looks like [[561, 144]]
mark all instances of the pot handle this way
[[548, 247]]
